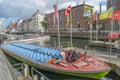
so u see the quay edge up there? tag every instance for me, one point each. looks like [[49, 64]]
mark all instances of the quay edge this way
[[82, 35], [115, 68]]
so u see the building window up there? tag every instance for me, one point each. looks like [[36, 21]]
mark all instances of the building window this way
[[53, 19], [77, 13], [61, 18], [49, 19]]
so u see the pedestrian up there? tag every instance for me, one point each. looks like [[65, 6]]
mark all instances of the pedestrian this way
[[117, 46]]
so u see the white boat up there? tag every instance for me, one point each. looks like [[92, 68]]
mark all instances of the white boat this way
[[29, 38]]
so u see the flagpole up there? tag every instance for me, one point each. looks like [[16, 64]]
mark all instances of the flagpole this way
[[119, 22], [96, 27], [112, 24], [71, 27], [58, 26], [90, 30]]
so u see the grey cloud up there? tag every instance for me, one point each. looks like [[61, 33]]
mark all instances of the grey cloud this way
[[20, 8], [25, 8]]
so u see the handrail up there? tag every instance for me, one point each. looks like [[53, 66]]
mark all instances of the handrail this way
[[17, 64], [65, 44], [18, 68], [42, 76], [105, 55]]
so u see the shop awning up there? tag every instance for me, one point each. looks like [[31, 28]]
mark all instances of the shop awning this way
[[113, 35]]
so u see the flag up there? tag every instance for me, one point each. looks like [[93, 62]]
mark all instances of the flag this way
[[116, 15], [106, 14], [55, 11], [88, 12], [68, 20], [110, 12], [103, 16], [95, 16], [67, 11]]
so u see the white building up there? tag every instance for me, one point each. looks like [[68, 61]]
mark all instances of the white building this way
[[19, 25], [36, 20]]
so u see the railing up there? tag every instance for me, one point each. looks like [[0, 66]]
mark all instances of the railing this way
[[65, 44], [111, 56], [104, 54], [42, 77], [18, 68]]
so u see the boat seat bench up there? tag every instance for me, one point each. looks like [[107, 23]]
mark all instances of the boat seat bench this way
[[80, 64]]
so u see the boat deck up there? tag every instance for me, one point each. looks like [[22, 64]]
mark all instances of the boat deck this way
[[92, 64]]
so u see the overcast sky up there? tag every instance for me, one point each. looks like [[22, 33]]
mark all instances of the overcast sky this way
[[25, 8]]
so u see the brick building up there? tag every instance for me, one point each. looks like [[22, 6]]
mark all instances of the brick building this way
[[78, 20]]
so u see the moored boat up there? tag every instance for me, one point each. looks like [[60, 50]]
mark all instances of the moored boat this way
[[29, 39], [58, 61]]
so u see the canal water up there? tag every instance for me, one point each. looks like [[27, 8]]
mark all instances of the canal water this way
[[81, 43]]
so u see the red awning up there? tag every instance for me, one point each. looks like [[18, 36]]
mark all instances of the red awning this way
[[113, 35], [116, 15]]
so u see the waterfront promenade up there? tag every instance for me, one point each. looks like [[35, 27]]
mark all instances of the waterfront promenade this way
[[6, 70]]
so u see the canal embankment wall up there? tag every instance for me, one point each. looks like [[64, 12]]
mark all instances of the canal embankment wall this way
[[6, 70], [82, 35]]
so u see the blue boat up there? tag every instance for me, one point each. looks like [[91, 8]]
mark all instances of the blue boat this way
[[51, 59]]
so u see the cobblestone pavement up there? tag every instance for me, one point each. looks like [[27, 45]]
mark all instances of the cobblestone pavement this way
[[6, 73]]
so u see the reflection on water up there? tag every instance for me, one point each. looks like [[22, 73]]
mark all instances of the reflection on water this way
[[54, 76]]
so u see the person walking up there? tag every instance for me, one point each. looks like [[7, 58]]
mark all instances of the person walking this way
[[117, 46]]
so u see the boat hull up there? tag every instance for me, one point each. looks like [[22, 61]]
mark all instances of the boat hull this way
[[92, 74]]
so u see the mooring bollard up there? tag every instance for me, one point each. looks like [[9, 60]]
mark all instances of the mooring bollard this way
[[25, 70], [35, 77]]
